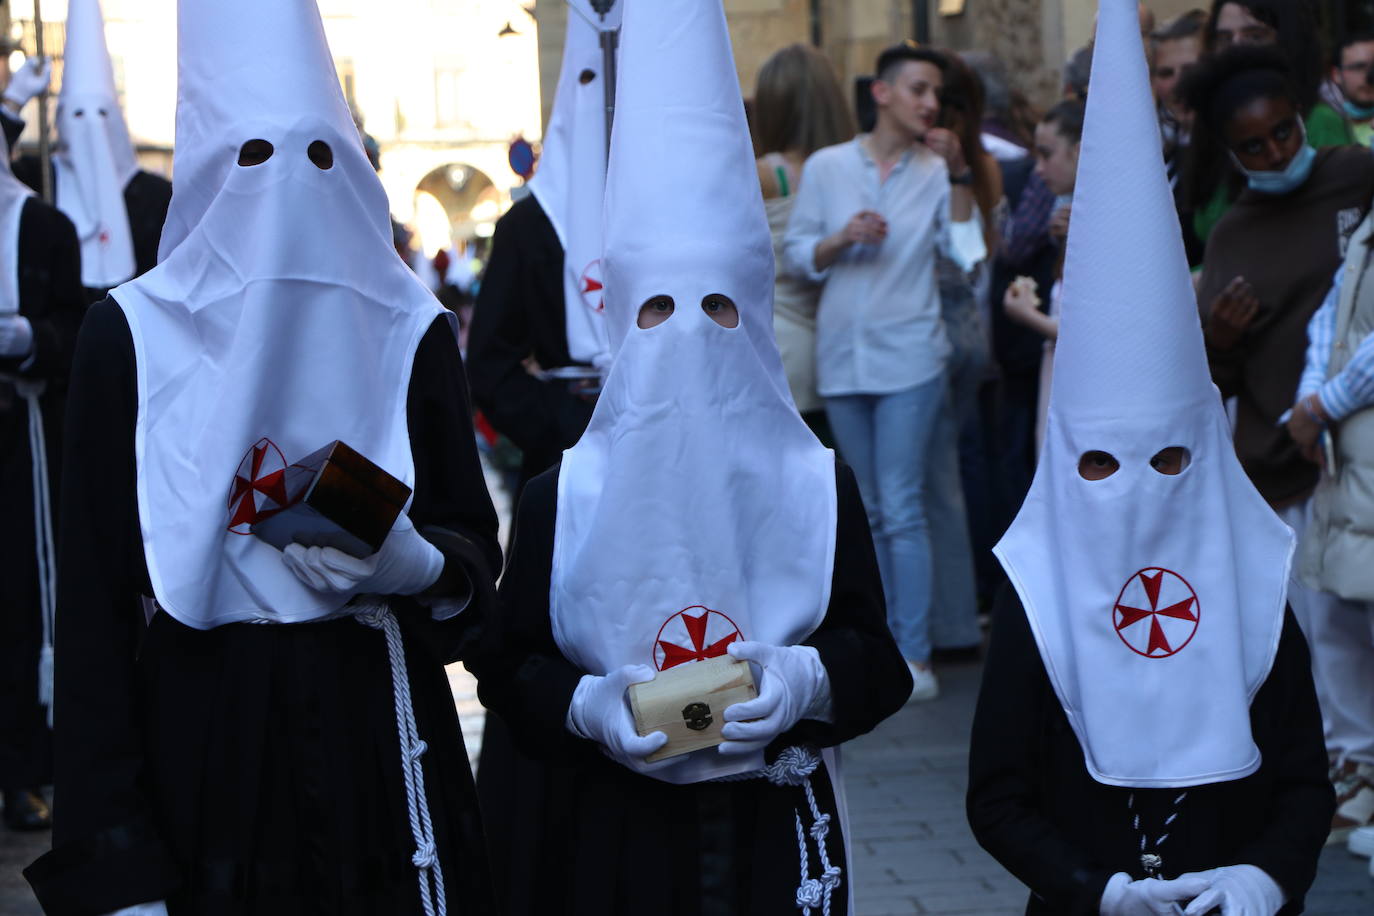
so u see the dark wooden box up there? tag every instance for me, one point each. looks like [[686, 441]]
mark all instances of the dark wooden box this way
[[335, 498]]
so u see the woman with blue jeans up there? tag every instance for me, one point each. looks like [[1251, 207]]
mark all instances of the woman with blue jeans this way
[[869, 218]]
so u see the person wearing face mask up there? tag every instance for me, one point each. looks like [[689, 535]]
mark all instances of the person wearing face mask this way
[[869, 219], [1147, 739], [241, 729], [118, 209], [1350, 72], [697, 517], [1268, 265]]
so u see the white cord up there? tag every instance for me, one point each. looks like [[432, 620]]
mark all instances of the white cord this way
[[794, 767], [31, 391], [426, 858]]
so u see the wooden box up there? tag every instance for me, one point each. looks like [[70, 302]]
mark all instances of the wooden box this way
[[335, 498], [687, 703]]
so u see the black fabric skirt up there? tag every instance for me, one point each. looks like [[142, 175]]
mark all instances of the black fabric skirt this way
[[275, 771], [604, 841]]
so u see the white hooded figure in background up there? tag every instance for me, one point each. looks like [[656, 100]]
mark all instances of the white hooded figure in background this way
[[278, 319], [1152, 574], [697, 516], [96, 160]]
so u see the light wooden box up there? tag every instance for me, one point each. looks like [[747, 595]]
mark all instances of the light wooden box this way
[[687, 703]]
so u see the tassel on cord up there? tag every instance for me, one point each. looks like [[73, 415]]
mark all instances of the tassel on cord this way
[[426, 859], [794, 767], [32, 391]]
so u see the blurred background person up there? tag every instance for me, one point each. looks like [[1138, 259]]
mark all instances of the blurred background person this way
[[1351, 69], [1177, 46], [868, 221], [798, 108], [1268, 265]]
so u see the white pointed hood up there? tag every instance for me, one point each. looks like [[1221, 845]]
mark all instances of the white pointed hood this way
[[697, 508], [1156, 601], [279, 319], [96, 159], [13, 194], [571, 182]]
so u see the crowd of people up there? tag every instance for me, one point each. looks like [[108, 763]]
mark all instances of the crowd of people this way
[[807, 397]]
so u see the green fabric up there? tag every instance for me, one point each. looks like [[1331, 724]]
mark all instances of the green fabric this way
[[1210, 213], [783, 189], [1364, 133], [1328, 127]]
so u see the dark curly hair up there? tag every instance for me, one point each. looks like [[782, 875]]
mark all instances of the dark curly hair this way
[[1295, 27], [1215, 89]]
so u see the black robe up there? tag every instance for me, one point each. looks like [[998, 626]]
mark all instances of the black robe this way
[[519, 315], [50, 297], [253, 768], [146, 198], [611, 842], [1035, 808]]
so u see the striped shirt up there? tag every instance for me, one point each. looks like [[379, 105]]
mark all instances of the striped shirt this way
[[1352, 388]]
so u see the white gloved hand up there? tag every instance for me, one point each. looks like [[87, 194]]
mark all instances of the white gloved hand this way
[[28, 81], [1148, 897], [600, 712], [16, 336], [142, 909], [1238, 890], [794, 684], [406, 564]]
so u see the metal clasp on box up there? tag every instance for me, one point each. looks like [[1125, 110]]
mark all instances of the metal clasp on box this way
[[697, 716]]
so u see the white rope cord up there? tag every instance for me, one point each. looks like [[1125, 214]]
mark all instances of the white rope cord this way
[[794, 767], [31, 391], [426, 858]]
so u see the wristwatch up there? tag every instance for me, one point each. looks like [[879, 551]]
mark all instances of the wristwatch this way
[[965, 178]]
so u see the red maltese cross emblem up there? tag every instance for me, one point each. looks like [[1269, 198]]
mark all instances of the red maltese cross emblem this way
[[692, 635], [1157, 613], [259, 487], [591, 287]]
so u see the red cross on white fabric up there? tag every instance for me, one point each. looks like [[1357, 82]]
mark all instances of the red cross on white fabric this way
[[592, 287], [1157, 613], [259, 487], [693, 637]]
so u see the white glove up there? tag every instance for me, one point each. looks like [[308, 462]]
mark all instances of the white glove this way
[[142, 909], [795, 685], [600, 712], [1238, 890], [1148, 897], [16, 336], [28, 81], [406, 564]]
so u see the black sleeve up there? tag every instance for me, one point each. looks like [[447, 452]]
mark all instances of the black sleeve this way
[[1302, 802], [50, 291], [541, 417], [1003, 804], [13, 126], [524, 677], [869, 679], [451, 508], [107, 852]]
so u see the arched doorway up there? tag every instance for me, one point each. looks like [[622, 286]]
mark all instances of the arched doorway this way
[[455, 202]]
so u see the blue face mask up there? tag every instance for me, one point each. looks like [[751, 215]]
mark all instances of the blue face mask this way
[[1291, 178], [1355, 112]]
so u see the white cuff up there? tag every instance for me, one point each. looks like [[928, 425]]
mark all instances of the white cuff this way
[[158, 908]]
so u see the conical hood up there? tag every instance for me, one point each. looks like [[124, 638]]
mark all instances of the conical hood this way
[[96, 159], [1125, 279], [697, 508], [245, 66], [571, 182], [683, 197], [278, 319], [1147, 587]]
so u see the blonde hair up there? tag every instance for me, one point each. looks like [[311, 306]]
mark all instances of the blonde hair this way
[[798, 103]]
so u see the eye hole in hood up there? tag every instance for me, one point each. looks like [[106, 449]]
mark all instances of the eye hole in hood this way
[[320, 154], [255, 152]]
